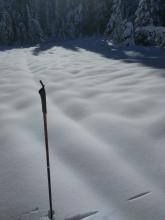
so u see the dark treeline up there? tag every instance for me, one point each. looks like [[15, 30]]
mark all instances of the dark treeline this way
[[35, 20]]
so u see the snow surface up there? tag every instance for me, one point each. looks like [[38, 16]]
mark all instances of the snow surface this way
[[106, 123]]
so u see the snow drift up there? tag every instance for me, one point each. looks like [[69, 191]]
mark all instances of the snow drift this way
[[106, 123]]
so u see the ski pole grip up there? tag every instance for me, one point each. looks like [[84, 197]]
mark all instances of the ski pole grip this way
[[43, 98]]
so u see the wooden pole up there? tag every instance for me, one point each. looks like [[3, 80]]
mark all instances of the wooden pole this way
[[44, 110]]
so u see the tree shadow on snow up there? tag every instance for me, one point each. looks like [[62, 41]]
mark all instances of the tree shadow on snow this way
[[147, 56], [43, 47]]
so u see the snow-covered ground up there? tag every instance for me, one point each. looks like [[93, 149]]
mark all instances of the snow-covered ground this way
[[106, 119]]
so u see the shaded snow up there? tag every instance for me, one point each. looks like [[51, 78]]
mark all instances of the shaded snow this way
[[106, 124]]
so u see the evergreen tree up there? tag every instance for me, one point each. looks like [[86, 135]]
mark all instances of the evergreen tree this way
[[162, 10], [33, 27], [33, 20], [101, 11], [143, 14], [120, 30], [6, 30], [148, 20], [74, 18], [155, 6], [114, 27]]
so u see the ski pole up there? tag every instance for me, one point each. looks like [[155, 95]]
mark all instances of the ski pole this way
[[44, 110]]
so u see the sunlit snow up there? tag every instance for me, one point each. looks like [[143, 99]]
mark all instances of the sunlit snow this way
[[106, 121]]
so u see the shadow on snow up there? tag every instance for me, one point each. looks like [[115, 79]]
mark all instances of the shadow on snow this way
[[147, 56]]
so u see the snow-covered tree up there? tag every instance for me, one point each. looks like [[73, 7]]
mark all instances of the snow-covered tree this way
[[100, 11], [119, 29], [148, 20], [34, 20], [141, 25], [143, 14], [114, 27], [148, 13], [74, 18], [128, 33], [150, 35], [162, 10], [34, 30], [155, 6]]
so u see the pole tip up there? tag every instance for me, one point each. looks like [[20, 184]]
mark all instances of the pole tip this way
[[42, 84]]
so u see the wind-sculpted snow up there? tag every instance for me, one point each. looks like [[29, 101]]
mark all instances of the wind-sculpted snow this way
[[106, 124]]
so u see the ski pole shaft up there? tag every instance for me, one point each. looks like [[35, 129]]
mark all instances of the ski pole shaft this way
[[44, 110]]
